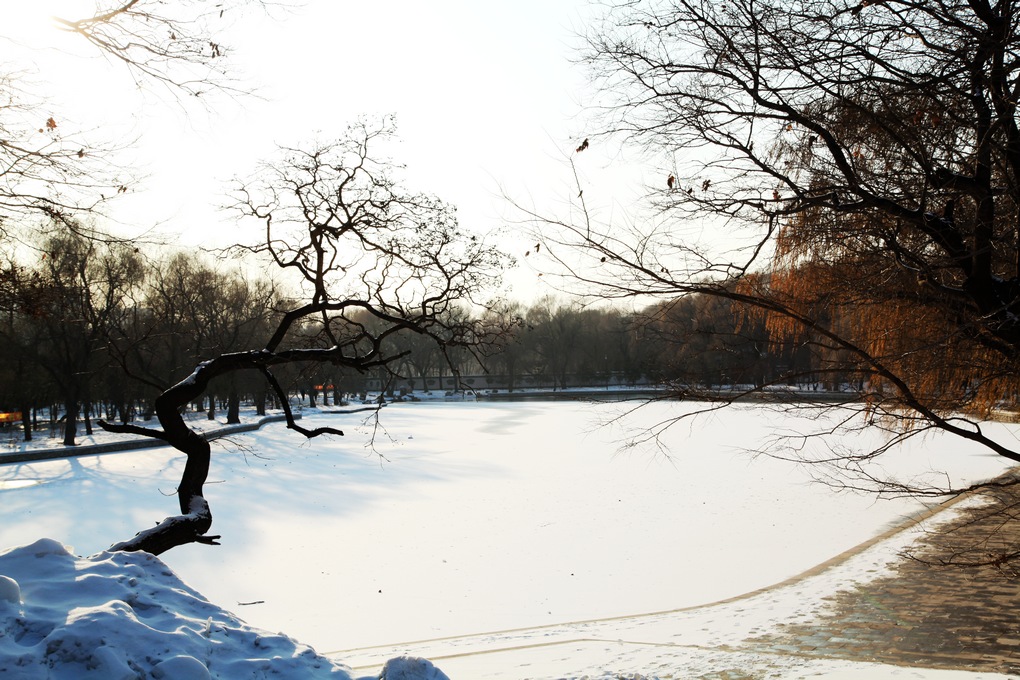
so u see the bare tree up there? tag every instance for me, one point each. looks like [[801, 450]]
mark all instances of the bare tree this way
[[372, 260], [174, 44], [845, 173], [46, 173], [51, 171]]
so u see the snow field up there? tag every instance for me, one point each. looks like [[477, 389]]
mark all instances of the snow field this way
[[469, 518]]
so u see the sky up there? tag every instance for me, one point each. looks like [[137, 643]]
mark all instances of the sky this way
[[489, 99]]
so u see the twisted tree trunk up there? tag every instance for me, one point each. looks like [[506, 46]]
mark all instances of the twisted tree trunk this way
[[196, 517]]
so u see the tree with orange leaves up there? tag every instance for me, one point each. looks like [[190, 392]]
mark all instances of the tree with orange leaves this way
[[859, 175]]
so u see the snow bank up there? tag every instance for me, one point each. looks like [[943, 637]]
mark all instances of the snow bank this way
[[411, 668], [126, 615]]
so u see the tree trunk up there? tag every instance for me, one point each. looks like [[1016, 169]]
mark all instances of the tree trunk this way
[[70, 421], [26, 421], [196, 517], [88, 419], [211, 413], [260, 402], [233, 408]]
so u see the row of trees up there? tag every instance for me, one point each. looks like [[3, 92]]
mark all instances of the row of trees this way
[[99, 329], [96, 328]]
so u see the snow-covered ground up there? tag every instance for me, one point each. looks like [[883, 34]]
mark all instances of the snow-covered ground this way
[[514, 539]]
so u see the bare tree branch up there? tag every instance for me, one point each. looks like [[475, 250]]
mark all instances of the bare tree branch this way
[[858, 176], [376, 262]]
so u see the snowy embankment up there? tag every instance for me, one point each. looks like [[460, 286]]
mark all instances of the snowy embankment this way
[[126, 615], [458, 519], [121, 615]]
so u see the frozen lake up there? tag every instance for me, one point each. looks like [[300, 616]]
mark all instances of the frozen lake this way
[[454, 518]]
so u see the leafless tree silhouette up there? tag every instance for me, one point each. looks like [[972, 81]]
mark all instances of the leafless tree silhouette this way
[[372, 261]]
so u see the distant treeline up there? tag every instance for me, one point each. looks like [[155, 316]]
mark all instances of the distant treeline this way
[[92, 329]]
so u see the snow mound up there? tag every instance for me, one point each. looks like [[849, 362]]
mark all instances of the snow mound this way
[[120, 616], [411, 668], [10, 591], [47, 546], [181, 668]]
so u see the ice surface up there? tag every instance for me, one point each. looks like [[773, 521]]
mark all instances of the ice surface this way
[[455, 520]]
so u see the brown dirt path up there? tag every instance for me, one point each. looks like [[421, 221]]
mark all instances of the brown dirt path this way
[[931, 612]]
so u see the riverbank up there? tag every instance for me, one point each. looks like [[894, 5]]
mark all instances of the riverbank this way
[[16, 450]]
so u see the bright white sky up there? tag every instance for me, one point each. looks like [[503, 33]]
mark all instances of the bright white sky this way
[[486, 96]]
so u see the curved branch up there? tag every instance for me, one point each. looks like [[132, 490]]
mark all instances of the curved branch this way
[[289, 415], [127, 428]]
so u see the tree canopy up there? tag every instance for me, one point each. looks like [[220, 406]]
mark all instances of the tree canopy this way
[[854, 168]]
